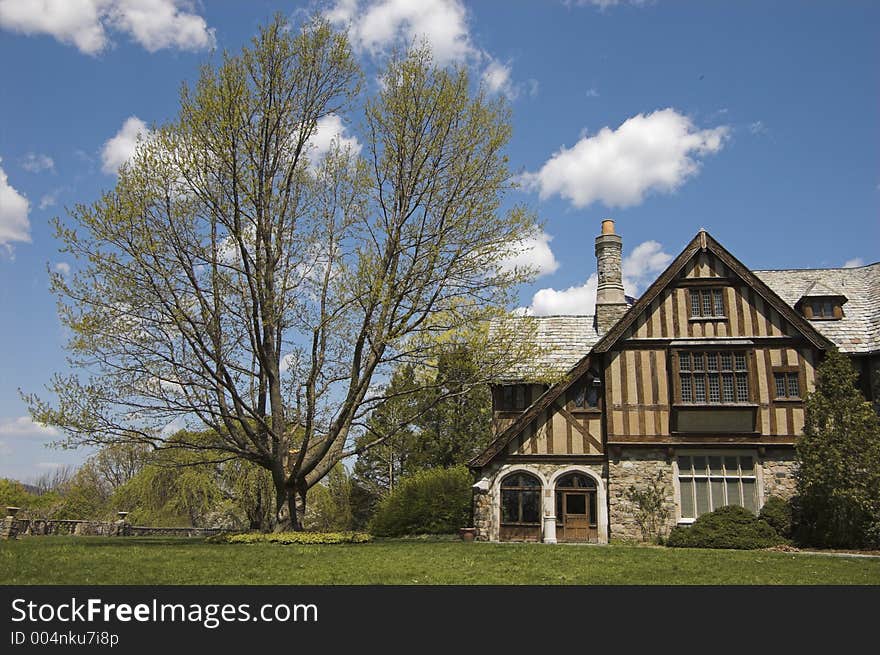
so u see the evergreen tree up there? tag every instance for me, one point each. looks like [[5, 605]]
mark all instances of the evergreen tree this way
[[838, 478]]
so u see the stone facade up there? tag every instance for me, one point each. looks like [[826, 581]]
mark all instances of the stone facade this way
[[632, 467], [637, 468], [487, 496], [778, 470]]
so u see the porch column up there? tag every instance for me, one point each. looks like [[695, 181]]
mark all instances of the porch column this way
[[549, 532]]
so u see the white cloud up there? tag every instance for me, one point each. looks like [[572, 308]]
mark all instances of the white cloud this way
[[497, 79], [534, 252], [573, 300], [5, 450], [639, 269], [592, 92], [14, 224], [121, 148], [49, 199], [757, 127], [172, 427], [534, 86], [154, 24], [855, 262], [35, 163], [375, 26], [24, 426], [62, 267], [642, 265], [653, 152], [330, 128], [604, 4]]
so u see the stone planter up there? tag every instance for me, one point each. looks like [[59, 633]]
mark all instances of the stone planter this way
[[467, 534]]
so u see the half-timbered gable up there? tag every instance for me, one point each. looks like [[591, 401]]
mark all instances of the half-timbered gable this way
[[698, 385]]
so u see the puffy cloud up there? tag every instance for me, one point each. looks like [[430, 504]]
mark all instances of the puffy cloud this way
[[14, 207], [573, 300], [497, 79], [35, 163], [377, 25], [855, 262], [154, 24], [604, 4], [24, 426], [121, 147], [330, 128], [62, 267], [534, 252], [653, 152], [49, 199], [639, 269]]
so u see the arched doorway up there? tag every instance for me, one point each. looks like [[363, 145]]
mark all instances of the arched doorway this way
[[576, 508], [520, 508]]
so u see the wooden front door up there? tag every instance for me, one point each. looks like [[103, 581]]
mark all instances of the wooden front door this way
[[578, 522]]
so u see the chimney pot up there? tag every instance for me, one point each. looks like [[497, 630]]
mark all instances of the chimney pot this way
[[607, 226]]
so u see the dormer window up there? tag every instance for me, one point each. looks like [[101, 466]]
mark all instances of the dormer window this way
[[821, 303], [822, 308]]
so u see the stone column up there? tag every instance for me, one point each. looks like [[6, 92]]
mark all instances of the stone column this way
[[549, 529], [120, 528], [9, 527], [549, 532]]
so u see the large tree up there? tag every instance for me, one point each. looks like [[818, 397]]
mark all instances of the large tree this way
[[838, 477], [236, 281]]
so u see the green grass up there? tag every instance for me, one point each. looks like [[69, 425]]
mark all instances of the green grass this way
[[100, 560]]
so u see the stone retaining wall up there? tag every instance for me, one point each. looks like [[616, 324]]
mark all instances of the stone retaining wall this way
[[40, 527]]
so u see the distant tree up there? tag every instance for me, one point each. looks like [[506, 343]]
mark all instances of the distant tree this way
[[838, 476], [453, 422]]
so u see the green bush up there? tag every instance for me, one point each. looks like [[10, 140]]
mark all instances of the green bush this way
[[777, 513], [727, 527], [306, 538], [436, 501]]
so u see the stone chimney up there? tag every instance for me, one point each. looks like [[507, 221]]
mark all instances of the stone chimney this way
[[610, 301]]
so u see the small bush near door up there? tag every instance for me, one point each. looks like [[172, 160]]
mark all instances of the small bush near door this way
[[726, 527], [436, 501]]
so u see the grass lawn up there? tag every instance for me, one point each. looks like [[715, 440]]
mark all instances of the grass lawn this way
[[101, 560]]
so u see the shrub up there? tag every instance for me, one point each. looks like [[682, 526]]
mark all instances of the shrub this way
[[777, 512], [305, 538], [838, 457], [436, 501], [727, 527]]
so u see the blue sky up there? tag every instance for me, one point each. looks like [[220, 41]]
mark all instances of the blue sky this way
[[756, 120]]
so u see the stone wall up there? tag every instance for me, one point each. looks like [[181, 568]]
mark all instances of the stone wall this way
[[778, 469], [636, 468], [41, 527], [487, 493]]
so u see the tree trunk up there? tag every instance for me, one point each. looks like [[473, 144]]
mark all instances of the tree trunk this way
[[290, 507]]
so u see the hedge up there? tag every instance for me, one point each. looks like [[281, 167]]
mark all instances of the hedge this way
[[306, 538], [435, 501], [727, 527]]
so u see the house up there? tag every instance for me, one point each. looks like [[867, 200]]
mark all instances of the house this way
[[697, 385]]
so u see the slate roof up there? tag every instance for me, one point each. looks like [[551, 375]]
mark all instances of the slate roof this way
[[858, 332], [563, 340]]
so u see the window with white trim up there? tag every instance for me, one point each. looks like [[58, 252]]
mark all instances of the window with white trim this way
[[707, 482]]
